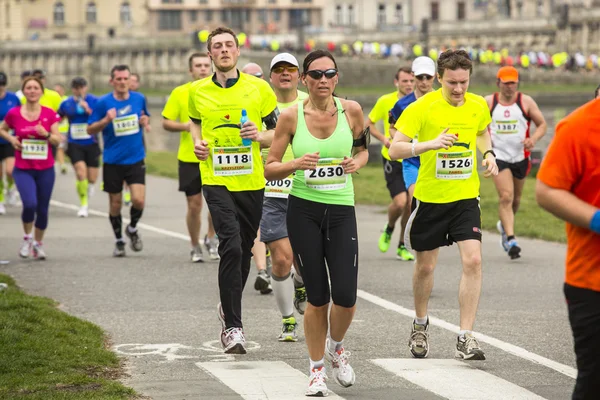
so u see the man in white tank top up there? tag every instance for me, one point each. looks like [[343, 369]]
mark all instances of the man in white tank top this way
[[512, 113]]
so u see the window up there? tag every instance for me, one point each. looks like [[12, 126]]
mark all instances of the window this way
[[276, 15], [225, 16], [272, 1], [398, 14], [262, 16], [339, 15], [298, 18], [90, 13], [59, 14], [203, 1], [461, 11], [435, 11], [125, 14], [381, 17], [193, 15], [350, 14], [169, 20], [209, 15]]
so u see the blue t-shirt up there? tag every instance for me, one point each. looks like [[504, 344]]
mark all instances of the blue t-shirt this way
[[78, 119], [9, 101], [395, 113], [124, 136]]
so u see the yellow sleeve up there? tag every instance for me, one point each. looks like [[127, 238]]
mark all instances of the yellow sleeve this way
[[171, 110], [378, 113], [193, 111], [410, 122], [269, 100], [486, 118], [23, 100]]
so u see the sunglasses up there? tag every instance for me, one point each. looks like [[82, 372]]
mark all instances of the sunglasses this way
[[258, 75], [279, 70], [424, 77], [318, 73]]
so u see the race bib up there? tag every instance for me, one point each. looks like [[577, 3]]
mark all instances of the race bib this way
[[232, 161], [455, 165], [280, 188], [79, 131], [127, 125], [507, 127], [34, 149], [328, 175]]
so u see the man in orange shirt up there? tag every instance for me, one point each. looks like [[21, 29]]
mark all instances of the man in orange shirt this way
[[569, 187]]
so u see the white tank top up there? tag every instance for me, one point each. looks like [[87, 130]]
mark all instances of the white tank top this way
[[509, 128]]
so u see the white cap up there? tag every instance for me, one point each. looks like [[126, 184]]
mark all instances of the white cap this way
[[423, 66], [284, 57]]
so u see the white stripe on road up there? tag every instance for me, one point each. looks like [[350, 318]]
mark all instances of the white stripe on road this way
[[261, 380], [455, 380], [509, 348], [388, 305]]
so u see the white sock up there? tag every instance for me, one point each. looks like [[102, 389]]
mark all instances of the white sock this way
[[334, 346], [284, 295], [421, 321], [298, 281], [28, 236], [462, 333], [317, 364], [131, 229]]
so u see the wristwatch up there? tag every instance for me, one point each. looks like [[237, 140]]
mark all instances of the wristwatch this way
[[489, 151]]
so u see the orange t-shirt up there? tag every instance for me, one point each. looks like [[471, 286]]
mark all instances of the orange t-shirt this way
[[573, 163]]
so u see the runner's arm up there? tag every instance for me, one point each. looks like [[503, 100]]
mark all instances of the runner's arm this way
[[196, 129], [54, 136], [378, 135], [176, 126], [98, 126], [360, 153], [540, 123], [564, 205], [265, 138], [274, 168], [484, 141]]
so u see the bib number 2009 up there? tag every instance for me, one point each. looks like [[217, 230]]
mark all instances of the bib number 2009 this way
[[328, 175]]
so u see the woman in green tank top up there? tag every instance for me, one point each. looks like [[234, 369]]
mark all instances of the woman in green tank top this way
[[328, 142]]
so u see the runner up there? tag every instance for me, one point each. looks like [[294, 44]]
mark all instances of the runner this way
[[446, 199], [512, 113], [34, 126], [83, 149], [424, 70], [328, 144], [262, 259], [134, 82], [568, 186], [63, 128], [232, 174], [122, 116], [288, 289], [8, 100], [404, 82], [19, 92], [176, 119]]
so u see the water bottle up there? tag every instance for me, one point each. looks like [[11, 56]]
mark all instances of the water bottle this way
[[80, 110], [243, 120]]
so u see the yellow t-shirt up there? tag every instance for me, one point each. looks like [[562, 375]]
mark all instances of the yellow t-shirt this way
[[446, 175], [381, 111], [50, 99], [63, 126], [176, 109], [229, 163]]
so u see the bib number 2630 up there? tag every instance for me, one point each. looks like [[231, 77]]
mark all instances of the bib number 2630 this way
[[328, 175]]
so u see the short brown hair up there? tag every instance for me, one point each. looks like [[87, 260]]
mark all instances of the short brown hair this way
[[32, 78], [453, 60], [405, 69], [218, 31], [195, 55]]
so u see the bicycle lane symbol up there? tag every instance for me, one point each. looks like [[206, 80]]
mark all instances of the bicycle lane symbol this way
[[176, 351]]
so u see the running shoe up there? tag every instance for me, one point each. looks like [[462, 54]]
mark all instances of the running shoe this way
[[504, 239], [467, 348], [263, 282], [38, 251], [196, 254], [83, 212], [2, 209], [233, 341], [300, 299], [514, 251], [119, 250], [91, 190], [384, 240], [403, 254], [342, 371], [12, 196], [212, 247], [288, 331], [419, 340], [63, 169], [316, 383], [25, 250], [136, 243]]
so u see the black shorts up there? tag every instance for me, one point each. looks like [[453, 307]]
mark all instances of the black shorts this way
[[89, 153], [520, 169], [114, 175], [6, 151], [394, 177], [433, 225], [189, 178], [584, 316]]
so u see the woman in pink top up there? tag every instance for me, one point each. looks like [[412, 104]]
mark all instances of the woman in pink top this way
[[35, 131]]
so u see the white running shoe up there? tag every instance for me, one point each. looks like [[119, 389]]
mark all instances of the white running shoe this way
[[12, 197], [83, 212], [2, 209], [196, 255], [342, 371], [317, 386], [26, 247], [91, 190], [38, 251], [233, 341], [212, 246]]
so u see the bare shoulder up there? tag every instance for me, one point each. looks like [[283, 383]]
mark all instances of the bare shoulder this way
[[352, 107]]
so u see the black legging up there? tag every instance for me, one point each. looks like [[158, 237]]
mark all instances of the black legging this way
[[324, 232]]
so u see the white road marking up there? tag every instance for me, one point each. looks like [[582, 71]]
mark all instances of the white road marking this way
[[388, 305], [455, 380], [262, 380]]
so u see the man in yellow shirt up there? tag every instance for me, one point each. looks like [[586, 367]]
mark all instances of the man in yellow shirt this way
[[451, 126], [63, 128], [226, 110], [176, 119], [404, 81]]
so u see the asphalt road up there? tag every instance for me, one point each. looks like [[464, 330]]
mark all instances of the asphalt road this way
[[160, 312]]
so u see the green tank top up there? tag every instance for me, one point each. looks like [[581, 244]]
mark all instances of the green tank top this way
[[327, 183]]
